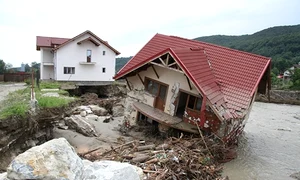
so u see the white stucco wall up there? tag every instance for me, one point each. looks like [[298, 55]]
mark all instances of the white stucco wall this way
[[72, 54], [47, 72], [166, 76]]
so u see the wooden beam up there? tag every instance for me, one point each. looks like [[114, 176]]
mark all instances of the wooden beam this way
[[155, 71], [128, 84], [167, 67], [167, 60], [189, 82], [172, 64], [140, 78], [162, 61]]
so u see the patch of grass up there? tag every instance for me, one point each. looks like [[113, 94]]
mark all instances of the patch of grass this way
[[48, 102], [15, 104], [50, 85], [16, 109]]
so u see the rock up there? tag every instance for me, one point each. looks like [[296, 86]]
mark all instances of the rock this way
[[111, 170], [99, 111], [55, 159], [92, 117], [89, 111], [95, 107], [104, 119], [51, 94], [3, 176], [118, 110], [79, 124], [296, 175], [30, 143], [83, 113]]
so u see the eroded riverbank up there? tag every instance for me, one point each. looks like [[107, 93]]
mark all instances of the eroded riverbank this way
[[270, 145]]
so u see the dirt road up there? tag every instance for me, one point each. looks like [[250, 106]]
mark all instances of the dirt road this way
[[5, 89]]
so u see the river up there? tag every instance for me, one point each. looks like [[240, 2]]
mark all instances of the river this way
[[270, 145]]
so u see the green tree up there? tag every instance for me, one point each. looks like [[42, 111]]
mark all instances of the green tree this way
[[27, 68], [8, 66], [296, 79], [275, 71], [2, 66], [35, 66]]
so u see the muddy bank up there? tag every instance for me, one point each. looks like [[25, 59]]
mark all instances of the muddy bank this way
[[19, 134], [281, 97]]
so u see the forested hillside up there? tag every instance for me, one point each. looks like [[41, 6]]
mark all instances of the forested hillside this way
[[282, 43], [120, 62]]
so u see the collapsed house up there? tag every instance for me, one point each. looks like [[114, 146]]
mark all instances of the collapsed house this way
[[187, 84]]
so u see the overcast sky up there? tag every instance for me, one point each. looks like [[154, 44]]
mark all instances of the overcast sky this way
[[128, 24]]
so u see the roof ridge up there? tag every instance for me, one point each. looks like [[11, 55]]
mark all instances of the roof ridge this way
[[219, 46], [52, 37]]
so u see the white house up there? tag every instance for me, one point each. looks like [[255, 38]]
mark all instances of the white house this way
[[83, 58]]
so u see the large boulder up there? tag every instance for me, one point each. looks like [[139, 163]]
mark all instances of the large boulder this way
[[3, 176], [111, 170], [55, 159], [80, 124], [99, 111]]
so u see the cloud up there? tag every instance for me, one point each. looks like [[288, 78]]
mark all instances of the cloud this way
[[128, 25]]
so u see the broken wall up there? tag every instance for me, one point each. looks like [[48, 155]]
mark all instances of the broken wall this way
[[175, 80]]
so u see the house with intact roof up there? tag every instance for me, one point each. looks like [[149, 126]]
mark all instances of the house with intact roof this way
[[82, 58], [190, 85]]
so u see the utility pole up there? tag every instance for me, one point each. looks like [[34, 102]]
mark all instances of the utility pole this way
[[32, 84]]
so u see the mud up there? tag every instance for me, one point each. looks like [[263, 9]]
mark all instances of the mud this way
[[280, 97], [270, 146]]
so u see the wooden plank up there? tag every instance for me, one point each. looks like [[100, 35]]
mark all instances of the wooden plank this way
[[128, 84], [155, 71], [162, 61], [140, 78], [189, 82]]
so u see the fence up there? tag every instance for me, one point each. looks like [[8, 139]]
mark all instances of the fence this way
[[16, 77]]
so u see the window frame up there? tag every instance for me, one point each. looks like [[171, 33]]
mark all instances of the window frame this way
[[88, 56], [146, 82], [195, 102], [69, 70]]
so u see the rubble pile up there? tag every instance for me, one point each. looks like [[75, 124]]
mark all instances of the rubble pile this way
[[176, 158]]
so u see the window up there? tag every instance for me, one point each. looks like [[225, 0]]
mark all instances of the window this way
[[88, 55], [69, 70], [151, 86], [194, 103], [103, 53], [103, 70]]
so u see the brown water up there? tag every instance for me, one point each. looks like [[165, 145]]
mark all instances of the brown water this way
[[270, 145]]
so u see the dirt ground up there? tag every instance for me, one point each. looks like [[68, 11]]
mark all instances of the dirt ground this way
[[109, 135], [5, 89]]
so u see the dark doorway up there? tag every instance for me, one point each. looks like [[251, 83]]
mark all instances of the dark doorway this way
[[181, 104]]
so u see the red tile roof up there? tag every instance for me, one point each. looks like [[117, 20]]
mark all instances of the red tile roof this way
[[92, 34], [227, 77], [56, 43], [48, 42]]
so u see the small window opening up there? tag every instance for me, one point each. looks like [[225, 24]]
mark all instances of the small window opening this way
[[103, 70], [103, 53], [88, 55]]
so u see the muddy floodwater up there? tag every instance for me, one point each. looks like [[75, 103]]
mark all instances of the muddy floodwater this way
[[270, 145]]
